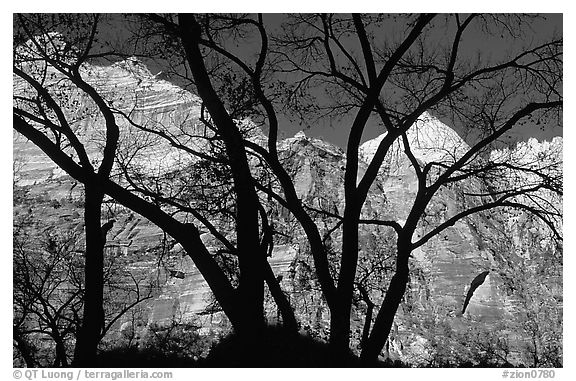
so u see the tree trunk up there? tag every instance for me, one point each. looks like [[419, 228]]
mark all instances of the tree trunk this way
[[250, 258], [339, 329], [385, 317], [369, 313], [251, 294], [340, 313], [23, 347], [93, 317], [61, 357], [367, 323]]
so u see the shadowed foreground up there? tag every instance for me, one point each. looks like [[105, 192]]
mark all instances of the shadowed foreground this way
[[276, 348]]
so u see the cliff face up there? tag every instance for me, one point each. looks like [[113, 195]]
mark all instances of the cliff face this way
[[133, 92], [499, 241], [430, 326]]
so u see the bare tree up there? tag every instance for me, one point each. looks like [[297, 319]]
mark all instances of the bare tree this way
[[49, 284], [393, 81], [50, 67], [41, 114], [47, 295], [359, 69]]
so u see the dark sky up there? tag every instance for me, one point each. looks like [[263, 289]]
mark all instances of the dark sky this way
[[542, 29], [336, 131]]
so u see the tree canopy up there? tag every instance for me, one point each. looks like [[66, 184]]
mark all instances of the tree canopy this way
[[228, 173]]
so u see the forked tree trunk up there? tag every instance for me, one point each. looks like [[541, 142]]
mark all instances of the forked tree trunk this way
[[369, 313], [367, 324], [286, 310], [385, 317]]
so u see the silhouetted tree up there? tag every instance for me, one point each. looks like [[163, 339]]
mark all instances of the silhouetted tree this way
[[392, 78], [51, 53], [42, 105], [49, 284], [387, 70], [47, 295]]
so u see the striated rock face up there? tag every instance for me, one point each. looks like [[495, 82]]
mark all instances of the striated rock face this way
[[430, 324], [130, 89], [494, 241]]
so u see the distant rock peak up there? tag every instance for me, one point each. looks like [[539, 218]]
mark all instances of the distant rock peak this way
[[300, 135], [134, 66], [429, 139]]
